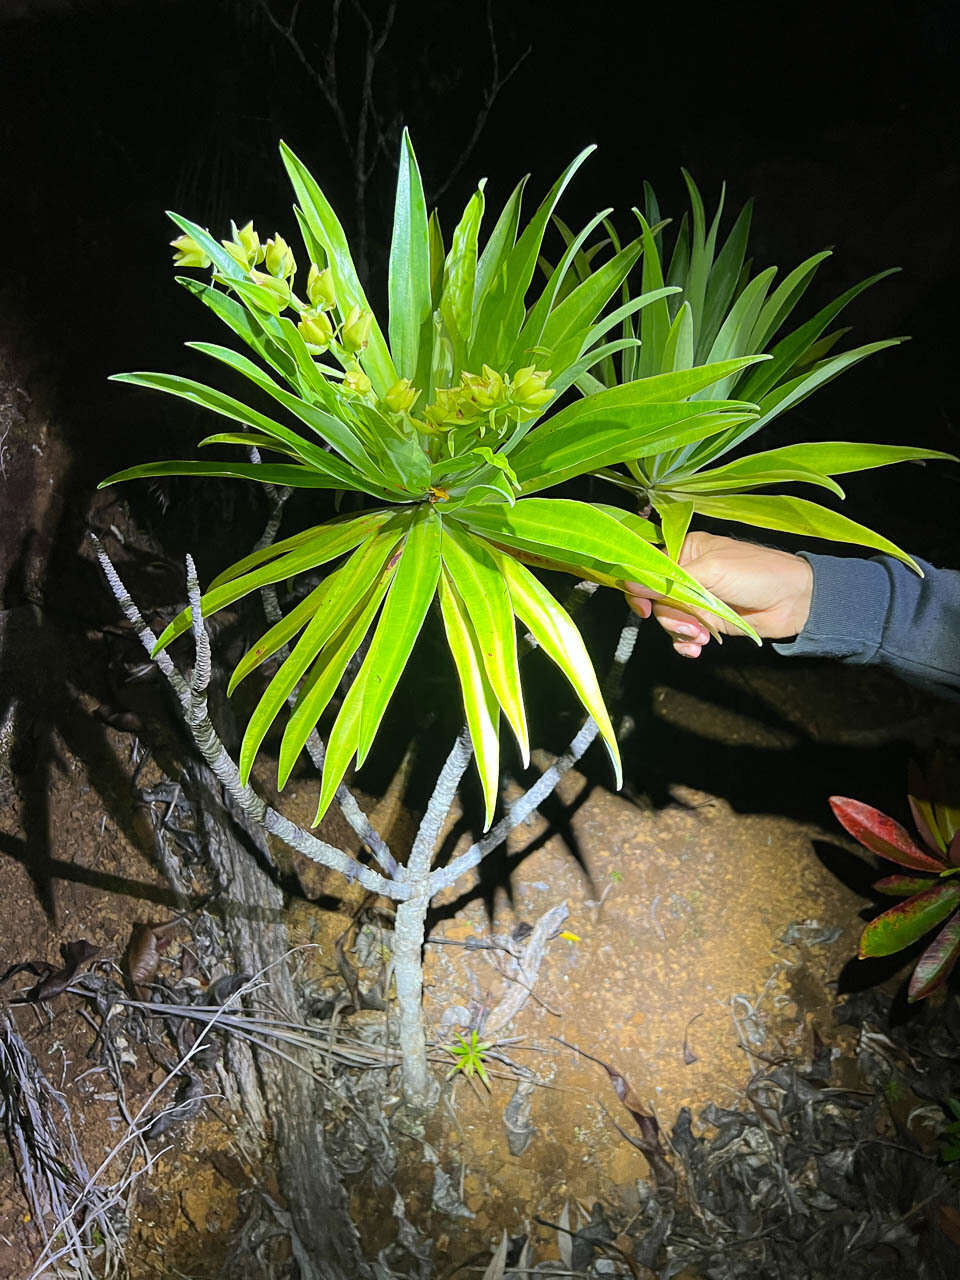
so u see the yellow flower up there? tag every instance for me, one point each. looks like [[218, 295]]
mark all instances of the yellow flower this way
[[279, 258], [356, 330], [279, 287], [320, 288], [401, 396], [357, 381], [188, 253], [316, 328], [245, 247], [529, 388]]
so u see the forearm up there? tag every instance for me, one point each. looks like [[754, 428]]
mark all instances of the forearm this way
[[879, 611]]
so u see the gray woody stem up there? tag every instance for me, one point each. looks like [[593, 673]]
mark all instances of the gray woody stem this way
[[193, 700]]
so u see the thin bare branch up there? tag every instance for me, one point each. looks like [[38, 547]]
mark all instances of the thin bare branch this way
[[497, 84], [226, 770]]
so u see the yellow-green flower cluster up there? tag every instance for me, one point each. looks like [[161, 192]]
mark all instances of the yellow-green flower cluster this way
[[480, 398]]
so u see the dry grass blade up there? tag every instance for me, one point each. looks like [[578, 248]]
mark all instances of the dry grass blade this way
[[40, 1134]]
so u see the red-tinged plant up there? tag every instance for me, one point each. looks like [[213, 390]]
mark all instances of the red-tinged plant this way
[[932, 894]]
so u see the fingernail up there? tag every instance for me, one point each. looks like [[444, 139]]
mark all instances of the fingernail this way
[[683, 629], [688, 650]]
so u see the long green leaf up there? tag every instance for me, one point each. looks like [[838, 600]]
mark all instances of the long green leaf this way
[[227, 407], [368, 522], [332, 430], [324, 677], [413, 587], [479, 700], [502, 310], [342, 743], [326, 543], [581, 536], [784, 298], [664, 388], [655, 321], [459, 277], [785, 396], [554, 630], [791, 348], [797, 515], [325, 227], [836, 458], [481, 587], [501, 241], [346, 589], [722, 283], [409, 267], [237, 318], [281, 473]]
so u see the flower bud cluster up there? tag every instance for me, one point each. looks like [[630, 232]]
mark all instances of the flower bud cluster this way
[[482, 398]]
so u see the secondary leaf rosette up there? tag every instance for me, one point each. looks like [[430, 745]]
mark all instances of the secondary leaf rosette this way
[[722, 311], [931, 892], [451, 423]]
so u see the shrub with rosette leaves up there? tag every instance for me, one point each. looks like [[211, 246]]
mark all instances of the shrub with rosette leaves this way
[[452, 423], [931, 893], [723, 311]]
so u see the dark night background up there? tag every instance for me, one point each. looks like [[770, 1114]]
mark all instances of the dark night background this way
[[841, 120]]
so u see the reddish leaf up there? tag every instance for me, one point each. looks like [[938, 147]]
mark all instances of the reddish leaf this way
[[953, 853], [933, 967], [881, 834], [909, 920], [902, 886]]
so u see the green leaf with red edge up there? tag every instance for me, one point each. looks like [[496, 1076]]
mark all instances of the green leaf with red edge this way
[[902, 886], [881, 834], [934, 966], [907, 921]]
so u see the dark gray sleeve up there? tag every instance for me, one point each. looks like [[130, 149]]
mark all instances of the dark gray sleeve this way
[[879, 611]]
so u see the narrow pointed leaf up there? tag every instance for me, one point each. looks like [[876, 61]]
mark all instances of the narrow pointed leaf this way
[[479, 700], [798, 515], [413, 587], [555, 632], [629, 433], [368, 522], [342, 743], [324, 677], [334, 431], [655, 321], [344, 591], [280, 473], [459, 276], [409, 269], [675, 520], [480, 584], [325, 227], [791, 348], [575, 533], [784, 298]]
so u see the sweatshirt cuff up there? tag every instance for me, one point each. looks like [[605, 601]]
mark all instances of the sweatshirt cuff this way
[[848, 610]]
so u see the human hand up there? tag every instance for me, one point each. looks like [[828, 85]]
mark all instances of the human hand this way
[[770, 589]]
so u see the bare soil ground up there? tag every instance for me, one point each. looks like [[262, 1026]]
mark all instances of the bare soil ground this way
[[701, 945]]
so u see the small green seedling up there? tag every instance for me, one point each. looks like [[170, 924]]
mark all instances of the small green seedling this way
[[468, 1057]]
